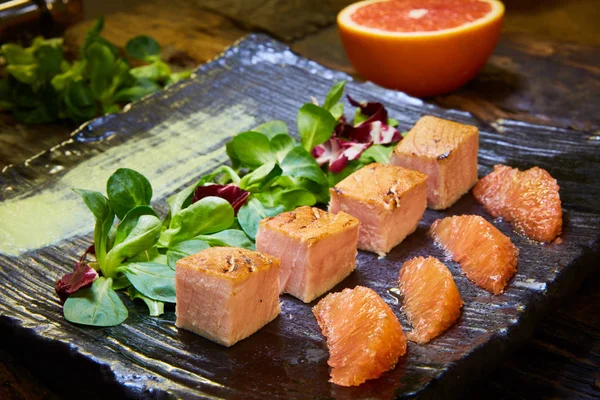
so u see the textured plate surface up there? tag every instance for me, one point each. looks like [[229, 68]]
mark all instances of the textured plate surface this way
[[177, 135]]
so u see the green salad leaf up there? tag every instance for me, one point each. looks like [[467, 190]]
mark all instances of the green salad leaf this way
[[315, 125], [253, 212], [252, 149], [153, 280], [334, 95], [208, 215], [100, 207], [228, 238], [127, 189], [97, 305], [272, 128], [261, 178], [144, 234], [184, 249], [155, 308]]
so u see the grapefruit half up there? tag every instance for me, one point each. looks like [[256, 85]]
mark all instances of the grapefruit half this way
[[422, 47]]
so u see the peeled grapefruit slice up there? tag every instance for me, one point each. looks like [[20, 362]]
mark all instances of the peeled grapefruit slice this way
[[485, 255], [529, 199], [363, 335], [422, 47], [431, 298]]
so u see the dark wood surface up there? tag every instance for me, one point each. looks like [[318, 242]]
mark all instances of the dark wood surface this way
[[535, 75]]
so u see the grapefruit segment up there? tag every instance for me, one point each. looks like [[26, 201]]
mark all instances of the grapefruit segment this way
[[529, 199], [363, 335], [422, 47], [486, 256], [430, 297]]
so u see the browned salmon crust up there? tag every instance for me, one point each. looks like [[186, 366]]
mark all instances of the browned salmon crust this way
[[444, 150], [389, 201], [225, 294], [317, 249]]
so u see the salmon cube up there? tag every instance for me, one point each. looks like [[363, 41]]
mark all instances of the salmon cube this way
[[389, 202], [444, 150], [225, 294], [317, 249]]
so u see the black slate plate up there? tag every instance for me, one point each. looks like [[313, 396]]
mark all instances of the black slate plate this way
[[257, 80]]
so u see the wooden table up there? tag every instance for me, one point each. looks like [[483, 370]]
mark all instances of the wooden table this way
[[546, 69]]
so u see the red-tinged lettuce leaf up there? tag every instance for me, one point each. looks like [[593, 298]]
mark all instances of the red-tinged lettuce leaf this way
[[374, 132], [349, 141], [375, 111], [337, 153], [81, 277], [89, 250], [232, 193], [341, 125]]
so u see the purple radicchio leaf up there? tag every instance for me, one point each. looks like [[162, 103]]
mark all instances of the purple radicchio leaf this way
[[82, 276], [341, 125], [337, 153], [235, 195], [89, 250], [348, 142], [374, 132], [375, 111]]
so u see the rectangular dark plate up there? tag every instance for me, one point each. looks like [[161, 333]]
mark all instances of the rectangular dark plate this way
[[176, 136]]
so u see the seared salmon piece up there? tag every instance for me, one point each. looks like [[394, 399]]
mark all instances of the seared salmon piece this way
[[363, 335], [430, 298], [444, 150], [225, 294], [529, 199], [389, 202], [317, 249], [486, 256]]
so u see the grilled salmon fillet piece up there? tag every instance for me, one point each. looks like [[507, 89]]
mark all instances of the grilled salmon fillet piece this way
[[444, 150], [389, 202], [363, 335], [317, 249], [225, 294], [486, 256], [528, 199]]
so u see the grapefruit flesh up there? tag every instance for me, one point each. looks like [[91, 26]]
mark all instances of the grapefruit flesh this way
[[486, 256], [529, 199], [363, 335], [430, 297], [421, 16], [422, 47]]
